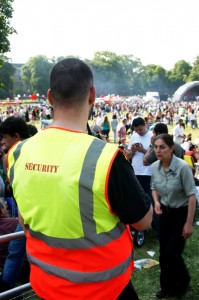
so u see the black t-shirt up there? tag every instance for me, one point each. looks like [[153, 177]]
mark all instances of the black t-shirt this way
[[125, 193]]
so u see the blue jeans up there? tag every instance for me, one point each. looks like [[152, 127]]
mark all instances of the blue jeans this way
[[14, 260]]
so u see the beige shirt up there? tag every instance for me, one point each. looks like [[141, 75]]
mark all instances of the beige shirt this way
[[174, 186]]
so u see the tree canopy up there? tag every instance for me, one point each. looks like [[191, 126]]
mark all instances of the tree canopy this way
[[36, 74], [194, 72], [6, 80], [6, 29], [113, 74]]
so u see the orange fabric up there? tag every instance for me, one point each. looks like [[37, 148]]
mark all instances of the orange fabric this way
[[94, 259], [65, 129], [52, 288], [88, 260]]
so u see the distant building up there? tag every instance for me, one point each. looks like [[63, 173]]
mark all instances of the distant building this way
[[18, 86]]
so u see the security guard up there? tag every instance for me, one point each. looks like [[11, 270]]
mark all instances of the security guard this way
[[76, 194]]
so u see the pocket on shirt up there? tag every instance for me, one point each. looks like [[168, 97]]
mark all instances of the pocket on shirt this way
[[157, 183], [175, 181]]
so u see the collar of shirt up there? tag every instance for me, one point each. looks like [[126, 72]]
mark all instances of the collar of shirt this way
[[172, 167]]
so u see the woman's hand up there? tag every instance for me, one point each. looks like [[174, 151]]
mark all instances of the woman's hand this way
[[188, 226], [157, 208], [157, 205], [187, 230]]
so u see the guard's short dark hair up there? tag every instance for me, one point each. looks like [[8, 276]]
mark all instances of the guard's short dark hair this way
[[70, 81], [138, 122], [13, 125], [32, 129], [160, 128]]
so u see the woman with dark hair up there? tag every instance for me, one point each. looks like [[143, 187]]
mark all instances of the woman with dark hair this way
[[173, 191], [106, 127]]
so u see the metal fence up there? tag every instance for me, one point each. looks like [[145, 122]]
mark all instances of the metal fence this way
[[25, 290]]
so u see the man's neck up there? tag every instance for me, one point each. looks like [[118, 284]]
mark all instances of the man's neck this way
[[68, 125], [70, 120]]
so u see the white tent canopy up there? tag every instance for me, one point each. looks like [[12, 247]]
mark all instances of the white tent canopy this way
[[184, 89]]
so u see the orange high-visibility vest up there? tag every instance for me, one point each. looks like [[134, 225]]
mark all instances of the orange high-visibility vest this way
[[76, 246]]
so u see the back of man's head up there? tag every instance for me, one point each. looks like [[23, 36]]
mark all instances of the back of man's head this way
[[13, 125], [160, 128], [32, 129], [70, 82]]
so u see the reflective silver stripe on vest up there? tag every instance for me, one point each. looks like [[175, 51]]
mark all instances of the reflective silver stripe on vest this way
[[16, 154], [91, 238], [100, 239], [85, 187], [81, 277]]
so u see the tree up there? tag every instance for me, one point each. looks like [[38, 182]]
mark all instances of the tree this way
[[36, 74], [104, 66], [114, 74], [54, 59], [132, 69], [179, 74], [6, 11], [6, 78], [155, 78], [194, 73]]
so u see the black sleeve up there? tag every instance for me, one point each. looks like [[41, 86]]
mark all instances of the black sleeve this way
[[126, 196]]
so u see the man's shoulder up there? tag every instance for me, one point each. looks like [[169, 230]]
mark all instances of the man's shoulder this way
[[178, 147], [147, 136], [150, 133]]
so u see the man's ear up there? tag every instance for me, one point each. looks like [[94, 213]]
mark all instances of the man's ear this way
[[17, 136], [92, 95], [50, 98]]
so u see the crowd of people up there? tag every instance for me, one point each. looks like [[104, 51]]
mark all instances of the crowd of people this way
[[97, 188], [29, 112]]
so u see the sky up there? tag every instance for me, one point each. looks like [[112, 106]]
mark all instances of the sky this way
[[159, 32]]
